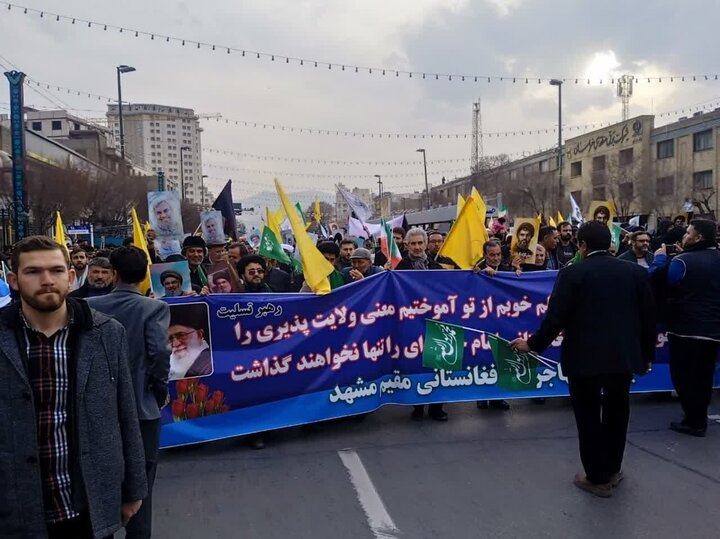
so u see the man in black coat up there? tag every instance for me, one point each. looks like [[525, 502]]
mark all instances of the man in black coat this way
[[607, 338]]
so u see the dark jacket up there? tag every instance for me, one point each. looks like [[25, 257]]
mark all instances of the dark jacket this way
[[604, 333], [406, 264], [146, 320], [107, 458], [565, 254], [692, 306], [629, 255], [85, 291], [278, 280], [502, 267]]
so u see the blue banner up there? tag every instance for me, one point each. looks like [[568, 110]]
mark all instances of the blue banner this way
[[245, 363]]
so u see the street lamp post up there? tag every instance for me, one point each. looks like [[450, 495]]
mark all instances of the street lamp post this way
[[182, 172], [380, 193], [202, 190], [120, 70], [558, 83], [427, 189]]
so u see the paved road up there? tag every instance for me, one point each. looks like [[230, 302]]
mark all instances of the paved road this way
[[484, 474]]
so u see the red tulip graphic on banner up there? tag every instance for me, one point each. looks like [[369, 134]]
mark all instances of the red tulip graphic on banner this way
[[195, 400]]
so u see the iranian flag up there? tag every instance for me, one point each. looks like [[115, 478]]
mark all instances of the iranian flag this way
[[388, 246]]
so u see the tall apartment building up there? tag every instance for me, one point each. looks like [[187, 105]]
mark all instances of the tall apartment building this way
[[166, 139]]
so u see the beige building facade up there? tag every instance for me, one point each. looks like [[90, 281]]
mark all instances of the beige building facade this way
[[645, 170]]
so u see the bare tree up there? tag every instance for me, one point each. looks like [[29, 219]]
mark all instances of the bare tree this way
[[702, 199]]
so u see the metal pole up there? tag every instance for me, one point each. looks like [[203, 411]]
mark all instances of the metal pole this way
[[120, 118], [182, 175], [560, 160], [427, 188], [380, 193]]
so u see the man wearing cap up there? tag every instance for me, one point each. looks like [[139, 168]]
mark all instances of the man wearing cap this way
[[194, 250], [361, 266], [172, 282], [99, 279]]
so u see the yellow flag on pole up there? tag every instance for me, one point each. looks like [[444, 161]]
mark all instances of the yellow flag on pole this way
[[460, 204], [317, 215], [464, 243], [60, 231], [140, 243], [551, 222], [475, 195], [561, 219], [272, 224], [315, 267]]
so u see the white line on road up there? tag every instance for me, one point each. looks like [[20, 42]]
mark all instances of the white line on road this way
[[380, 521]]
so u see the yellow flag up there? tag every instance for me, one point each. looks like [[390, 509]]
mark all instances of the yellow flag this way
[[60, 231], [317, 215], [272, 224], [539, 217], [475, 195], [147, 227], [460, 204], [561, 219], [464, 243], [140, 243], [551, 222], [279, 216], [315, 267]]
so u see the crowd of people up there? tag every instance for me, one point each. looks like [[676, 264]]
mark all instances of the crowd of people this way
[[72, 377]]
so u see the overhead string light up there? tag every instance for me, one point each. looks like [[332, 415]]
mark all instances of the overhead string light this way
[[341, 66], [282, 173]]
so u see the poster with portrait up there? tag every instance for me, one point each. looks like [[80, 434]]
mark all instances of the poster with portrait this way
[[165, 215], [223, 279], [166, 247], [604, 212], [189, 339], [211, 223], [525, 239], [170, 280]]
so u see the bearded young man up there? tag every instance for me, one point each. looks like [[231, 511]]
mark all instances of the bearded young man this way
[[72, 461]]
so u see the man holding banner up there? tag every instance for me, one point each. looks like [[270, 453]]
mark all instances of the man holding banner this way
[[607, 338]]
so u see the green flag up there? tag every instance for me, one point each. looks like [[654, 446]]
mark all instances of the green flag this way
[[615, 231], [270, 247], [516, 371], [444, 346]]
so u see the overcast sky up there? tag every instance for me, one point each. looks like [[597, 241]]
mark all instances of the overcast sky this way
[[533, 38]]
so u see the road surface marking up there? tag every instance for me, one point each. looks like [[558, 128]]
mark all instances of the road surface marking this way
[[379, 520]]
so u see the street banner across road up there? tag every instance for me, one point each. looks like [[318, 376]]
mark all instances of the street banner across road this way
[[270, 361]]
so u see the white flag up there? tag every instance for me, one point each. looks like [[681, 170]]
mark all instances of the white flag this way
[[358, 206], [576, 213], [635, 221]]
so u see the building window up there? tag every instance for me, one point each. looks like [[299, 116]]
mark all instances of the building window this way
[[703, 180], [56, 125], [665, 186], [513, 174], [665, 149], [702, 141], [37, 126], [598, 193], [626, 157], [545, 166], [576, 169], [577, 197], [626, 191], [598, 163], [76, 126]]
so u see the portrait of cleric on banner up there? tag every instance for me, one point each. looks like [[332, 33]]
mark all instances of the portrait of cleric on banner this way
[[189, 339], [524, 240]]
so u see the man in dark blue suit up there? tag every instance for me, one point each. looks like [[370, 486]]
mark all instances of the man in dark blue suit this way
[[607, 338]]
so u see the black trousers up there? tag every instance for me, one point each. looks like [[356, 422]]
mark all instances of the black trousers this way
[[140, 526], [74, 528], [602, 411], [436, 408], [692, 368]]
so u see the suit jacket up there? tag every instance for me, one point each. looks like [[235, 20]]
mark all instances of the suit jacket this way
[[146, 321], [107, 461], [606, 310], [278, 280]]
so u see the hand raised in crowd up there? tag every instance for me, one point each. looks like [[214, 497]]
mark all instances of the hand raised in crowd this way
[[205, 291], [388, 266], [355, 275]]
